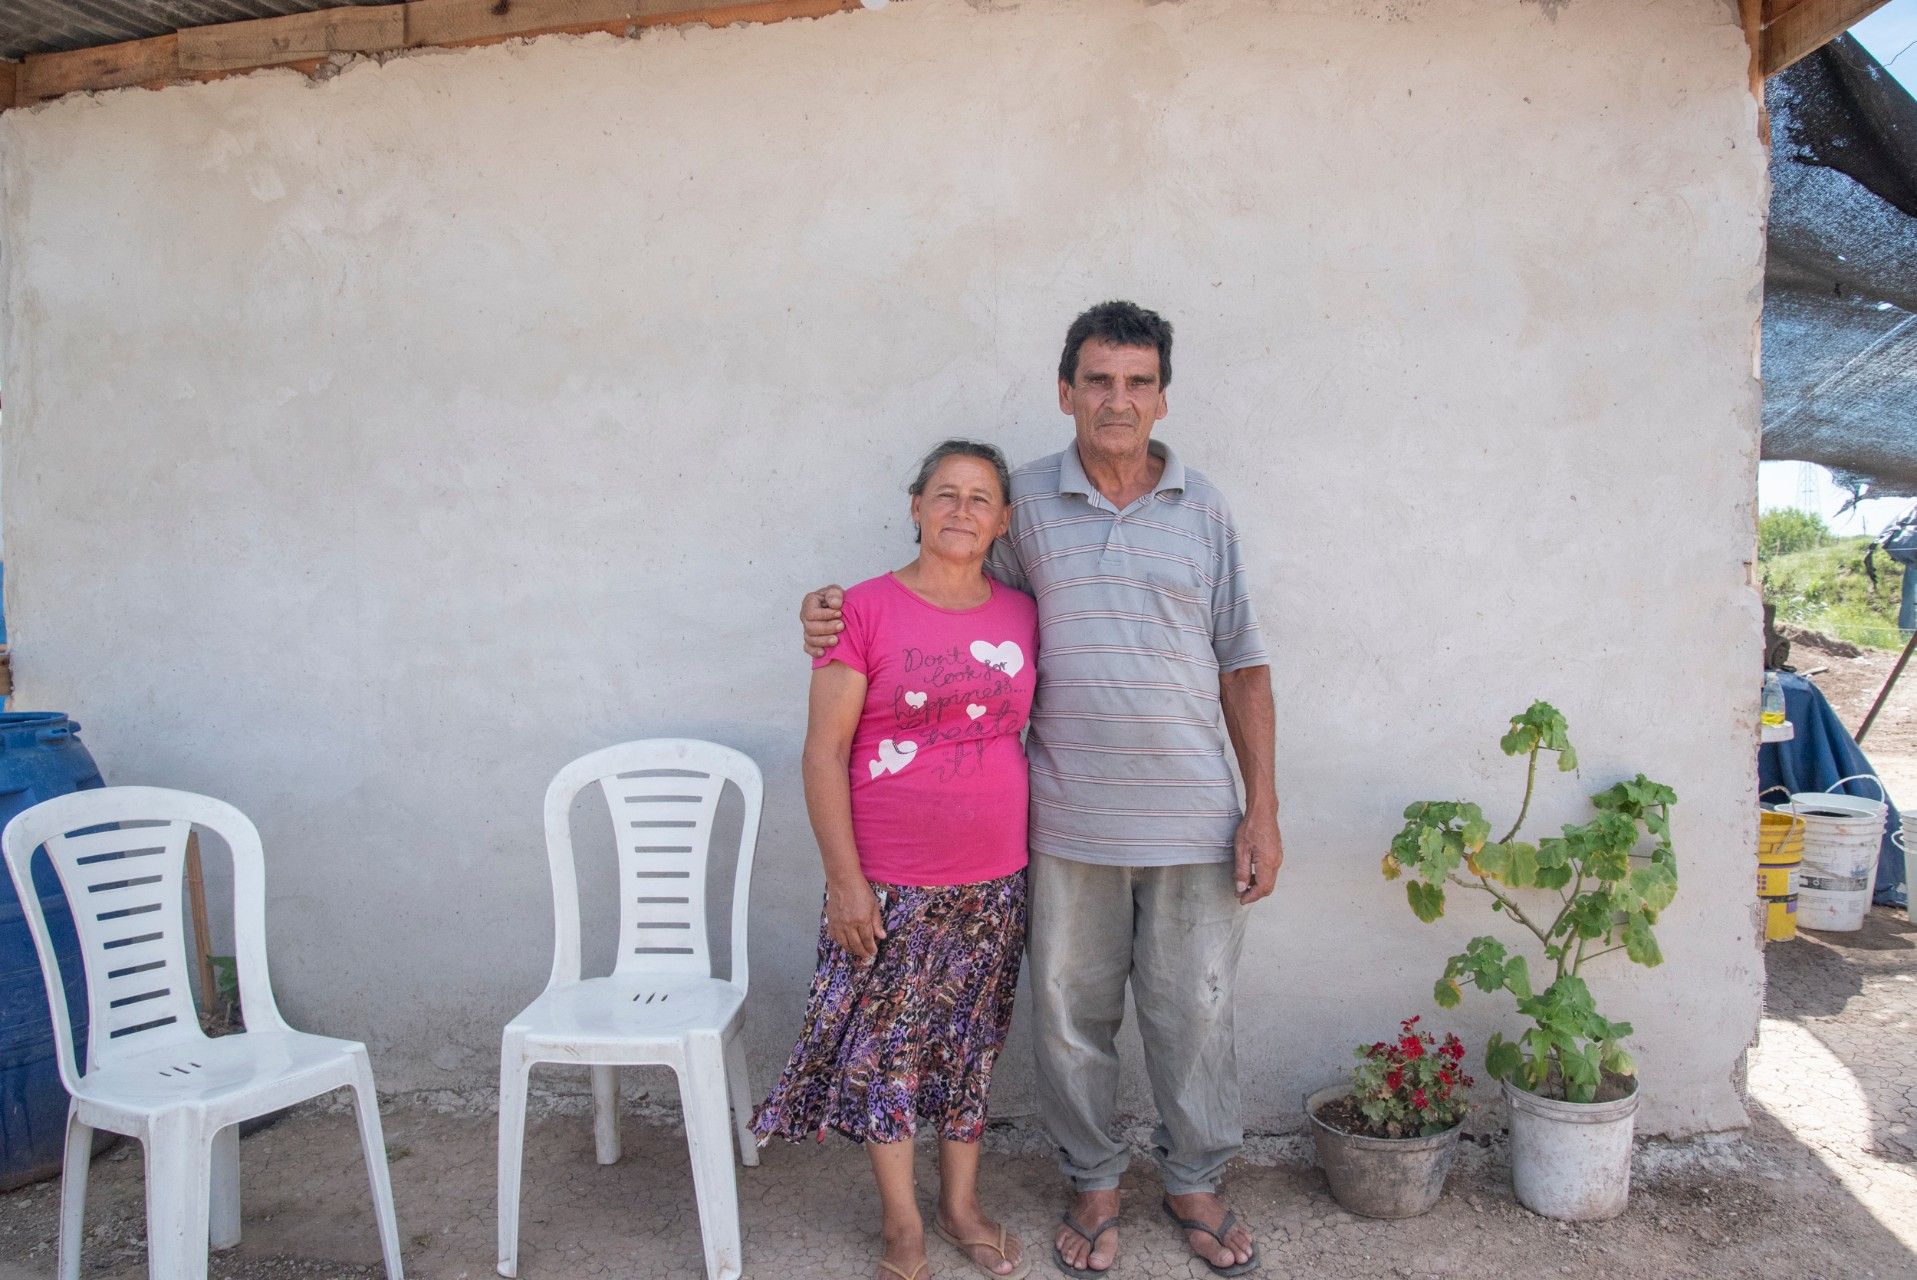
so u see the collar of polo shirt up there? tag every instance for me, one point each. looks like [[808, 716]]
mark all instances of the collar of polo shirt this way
[[1072, 477]]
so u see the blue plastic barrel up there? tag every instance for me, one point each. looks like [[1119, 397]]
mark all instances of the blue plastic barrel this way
[[40, 757]]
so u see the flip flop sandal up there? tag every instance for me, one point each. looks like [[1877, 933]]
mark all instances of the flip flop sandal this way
[[913, 1274], [1019, 1272], [1090, 1238], [1193, 1224]]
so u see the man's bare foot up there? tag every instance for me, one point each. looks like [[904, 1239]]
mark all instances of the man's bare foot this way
[[1210, 1208], [904, 1253], [1090, 1210]]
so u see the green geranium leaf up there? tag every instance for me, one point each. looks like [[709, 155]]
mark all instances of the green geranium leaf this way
[[1501, 1057], [1522, 868], [1427, 900], [1492, 861], [1654, 886], [1616, 1061], [1476, 828], [1553, 877], [1639, 943]]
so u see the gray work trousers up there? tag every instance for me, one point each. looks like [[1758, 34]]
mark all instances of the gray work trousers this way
[[1175, 934]]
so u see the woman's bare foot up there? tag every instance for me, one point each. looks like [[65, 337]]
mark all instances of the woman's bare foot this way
[[967, 1222], [1210, 1208], [905, 1252], [1089, 1210]]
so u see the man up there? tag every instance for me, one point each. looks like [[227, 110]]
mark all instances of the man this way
[[1142, 863]]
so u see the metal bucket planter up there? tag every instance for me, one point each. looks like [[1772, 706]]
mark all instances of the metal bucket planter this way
[[1571, 1160], [1381, 1177]]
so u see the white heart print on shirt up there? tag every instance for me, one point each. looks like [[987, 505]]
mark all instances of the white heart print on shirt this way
[[974, 710], [914, 700], [893, 756], [1005, 656]]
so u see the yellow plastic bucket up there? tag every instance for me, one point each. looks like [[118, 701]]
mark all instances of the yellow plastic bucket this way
[[1780, 919], [1780, 855]]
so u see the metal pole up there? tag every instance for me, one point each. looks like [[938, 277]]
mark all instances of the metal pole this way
[[1883, 693]]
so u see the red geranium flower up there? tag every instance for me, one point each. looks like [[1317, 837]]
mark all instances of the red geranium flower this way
[[1394, 1079], [1418, 1099], [1411, 1047]]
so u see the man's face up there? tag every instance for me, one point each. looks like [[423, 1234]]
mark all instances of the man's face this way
[[1115, 399]]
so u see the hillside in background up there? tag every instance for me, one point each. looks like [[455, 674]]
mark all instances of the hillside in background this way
[[1819, 581]]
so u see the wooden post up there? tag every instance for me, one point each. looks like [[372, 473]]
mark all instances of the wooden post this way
[[1889, 684], [202, 932]]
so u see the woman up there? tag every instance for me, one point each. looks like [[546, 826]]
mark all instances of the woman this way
[[915, 781]]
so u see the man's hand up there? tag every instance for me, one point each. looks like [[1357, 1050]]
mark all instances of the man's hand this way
[[1261, 851], [819, 614]]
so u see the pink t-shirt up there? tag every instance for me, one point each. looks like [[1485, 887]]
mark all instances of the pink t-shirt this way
[[938, 769]]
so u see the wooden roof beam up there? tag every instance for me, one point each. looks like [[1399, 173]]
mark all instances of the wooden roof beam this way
[[1795, 29], [305, 40]]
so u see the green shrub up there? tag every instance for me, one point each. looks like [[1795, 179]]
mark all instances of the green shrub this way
[[1780, 533]]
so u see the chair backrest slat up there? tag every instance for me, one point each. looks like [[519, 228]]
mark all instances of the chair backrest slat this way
[[120, 853], [663, 798], [662, 823], [124, 889]]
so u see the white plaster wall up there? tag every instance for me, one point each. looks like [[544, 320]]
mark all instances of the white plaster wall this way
[[374, 446]]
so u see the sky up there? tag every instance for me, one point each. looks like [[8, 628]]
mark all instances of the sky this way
[[1891, 36]]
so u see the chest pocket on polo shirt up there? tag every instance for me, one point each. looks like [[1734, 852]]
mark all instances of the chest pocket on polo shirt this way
[[1176, 588]]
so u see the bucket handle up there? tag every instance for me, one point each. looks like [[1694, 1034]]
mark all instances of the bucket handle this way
[[1882, 793], [1767, 790], [1797, 820]]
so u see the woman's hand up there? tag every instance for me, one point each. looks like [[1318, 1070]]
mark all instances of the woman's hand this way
[[853, 918]]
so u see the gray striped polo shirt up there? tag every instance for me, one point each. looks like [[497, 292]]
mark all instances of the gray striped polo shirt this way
[[1138, 612]]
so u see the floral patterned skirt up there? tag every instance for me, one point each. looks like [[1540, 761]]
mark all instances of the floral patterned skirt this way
[[911, 1035]]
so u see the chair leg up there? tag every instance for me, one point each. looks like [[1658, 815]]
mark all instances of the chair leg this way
[[225, 1229], [73, 1195], [179, 1157], [605, 1114], [513, 1072], [702, 1095], [739, 1084], [372, 1141]]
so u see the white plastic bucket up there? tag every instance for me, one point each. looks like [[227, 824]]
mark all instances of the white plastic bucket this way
[[1842, 837], [1571, 1160]]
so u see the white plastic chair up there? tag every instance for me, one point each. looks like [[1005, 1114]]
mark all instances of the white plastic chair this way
[[151, 1073], [661, 1004]]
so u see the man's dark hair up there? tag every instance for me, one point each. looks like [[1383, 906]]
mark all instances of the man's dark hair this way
[[1123, 324], [960, 449]]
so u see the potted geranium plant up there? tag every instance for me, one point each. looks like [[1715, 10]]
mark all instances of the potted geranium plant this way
[[1386, 1140], [1593, 890]]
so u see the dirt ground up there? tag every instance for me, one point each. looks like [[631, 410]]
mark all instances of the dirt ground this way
[[1824, 1183], [1852, 683]]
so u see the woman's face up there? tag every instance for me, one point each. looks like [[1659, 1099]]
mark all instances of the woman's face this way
[[961, 510]]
